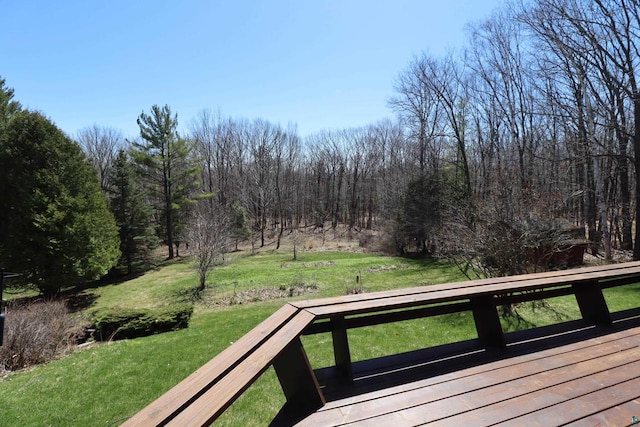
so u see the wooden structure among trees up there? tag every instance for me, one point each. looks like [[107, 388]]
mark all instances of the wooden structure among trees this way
[[583, 371]]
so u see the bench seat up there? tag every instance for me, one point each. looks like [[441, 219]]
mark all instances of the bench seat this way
[[433, 294]]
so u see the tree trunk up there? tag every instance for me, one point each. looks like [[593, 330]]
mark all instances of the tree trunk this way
[[169, 226], [636, 162], [625, 194]]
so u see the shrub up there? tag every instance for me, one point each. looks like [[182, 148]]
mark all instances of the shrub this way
[[115, 323], [37, 333]]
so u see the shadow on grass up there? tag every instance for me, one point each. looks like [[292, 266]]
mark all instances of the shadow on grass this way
[[80, 301], [513, 320], [75, 301]]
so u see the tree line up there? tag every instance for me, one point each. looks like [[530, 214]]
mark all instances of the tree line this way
[[529, 130]]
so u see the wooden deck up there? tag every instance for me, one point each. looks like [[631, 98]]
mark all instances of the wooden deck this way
[[593, 379], [582, 372]]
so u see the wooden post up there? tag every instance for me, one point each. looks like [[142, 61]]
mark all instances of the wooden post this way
[[485, 315], [341, 351], [591, 302], [297, 378]]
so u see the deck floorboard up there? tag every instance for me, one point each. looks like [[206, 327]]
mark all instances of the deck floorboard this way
[[584, 383]]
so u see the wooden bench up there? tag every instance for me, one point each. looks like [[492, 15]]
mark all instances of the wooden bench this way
[[204, 395]]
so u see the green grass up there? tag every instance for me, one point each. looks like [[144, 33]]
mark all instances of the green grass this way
[[104, 385], [333, 272], [159, 287], [623, 297]]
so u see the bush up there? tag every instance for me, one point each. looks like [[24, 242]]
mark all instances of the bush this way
[[132, 323], [37, 333]]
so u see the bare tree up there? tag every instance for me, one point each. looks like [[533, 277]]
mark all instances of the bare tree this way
[[416, 103], [393, 160], [499, 59], [603, 38], [263, 141], [446, 80], [101, 145], [214, 139], [286, 156], [208, 232]]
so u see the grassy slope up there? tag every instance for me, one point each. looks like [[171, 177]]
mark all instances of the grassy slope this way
[[106, 384]]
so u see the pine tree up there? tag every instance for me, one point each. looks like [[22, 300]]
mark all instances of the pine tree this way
[[132, 212], [239, 223], [166, 164], [8, 106]]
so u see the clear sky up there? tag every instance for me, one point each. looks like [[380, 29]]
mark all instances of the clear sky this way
[[321, 64]]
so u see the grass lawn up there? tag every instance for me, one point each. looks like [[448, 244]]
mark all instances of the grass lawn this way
[[104, 385]]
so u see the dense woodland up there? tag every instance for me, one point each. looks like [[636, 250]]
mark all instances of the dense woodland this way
[[530, 130]]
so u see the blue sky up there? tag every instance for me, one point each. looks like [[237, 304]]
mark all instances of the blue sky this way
[[318, 64]]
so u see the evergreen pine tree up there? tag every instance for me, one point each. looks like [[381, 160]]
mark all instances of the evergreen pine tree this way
[[132, 212], [167, 165]]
